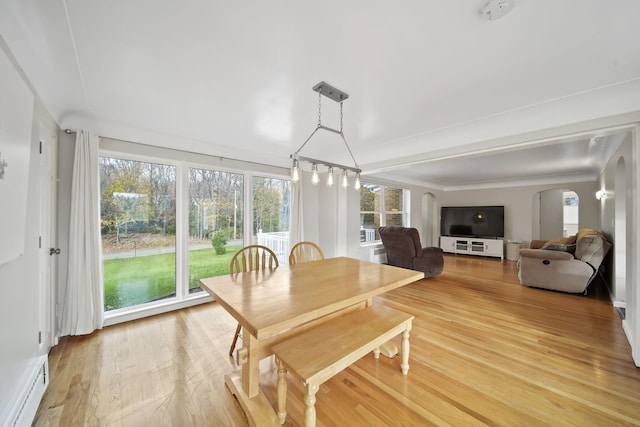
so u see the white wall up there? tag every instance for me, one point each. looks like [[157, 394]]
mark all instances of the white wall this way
[[19, 287], [429, 214], [608, 205], [518, 202], [346, 217], [625, 292]]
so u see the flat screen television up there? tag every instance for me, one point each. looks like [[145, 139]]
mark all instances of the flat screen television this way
[[472, 221]]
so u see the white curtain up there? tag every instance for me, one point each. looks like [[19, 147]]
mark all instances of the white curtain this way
[[82, 303], [296, 228]]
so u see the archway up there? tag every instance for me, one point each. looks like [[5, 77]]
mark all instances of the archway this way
[[555, 214], [429, 220], [620, 235]]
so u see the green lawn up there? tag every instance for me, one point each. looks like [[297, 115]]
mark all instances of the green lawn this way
[[132, 281]]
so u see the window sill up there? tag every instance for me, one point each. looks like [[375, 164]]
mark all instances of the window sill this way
[[151, 309]]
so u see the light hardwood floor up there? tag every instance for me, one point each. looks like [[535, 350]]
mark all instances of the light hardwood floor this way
[[484, 351]]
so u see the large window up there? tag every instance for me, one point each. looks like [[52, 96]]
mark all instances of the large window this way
[[271, 207], [138, 227], [215, 222], [380, 206], [166, 225]]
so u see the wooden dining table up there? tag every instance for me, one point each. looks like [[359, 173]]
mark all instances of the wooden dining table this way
[[271, 305]]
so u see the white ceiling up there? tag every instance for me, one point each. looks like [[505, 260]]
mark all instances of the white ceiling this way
[[439, 95]]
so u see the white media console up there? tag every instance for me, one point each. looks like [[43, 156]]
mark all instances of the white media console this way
[[473, 246]]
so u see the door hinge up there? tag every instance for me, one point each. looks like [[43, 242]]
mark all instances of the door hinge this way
[[44, 374], [39, 242], [39, 337], [40, 147]]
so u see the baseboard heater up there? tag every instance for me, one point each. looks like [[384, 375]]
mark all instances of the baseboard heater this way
[[29, 397], [378, 255]]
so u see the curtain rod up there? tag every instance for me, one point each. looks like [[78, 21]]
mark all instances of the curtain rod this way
[[221, 158], [70, 132]]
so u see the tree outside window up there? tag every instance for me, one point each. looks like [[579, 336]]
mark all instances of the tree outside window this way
[[140, 227], [138, 230]]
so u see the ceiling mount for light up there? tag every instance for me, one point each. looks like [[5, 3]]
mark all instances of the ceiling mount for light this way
[[496, 9], [331, 92], [325, 89]]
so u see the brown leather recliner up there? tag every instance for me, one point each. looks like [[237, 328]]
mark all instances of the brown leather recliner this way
[[402, 245]]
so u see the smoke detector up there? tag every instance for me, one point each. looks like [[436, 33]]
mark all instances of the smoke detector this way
[[496, 9]]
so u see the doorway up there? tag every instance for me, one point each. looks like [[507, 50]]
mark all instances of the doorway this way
[[47, 259], [620, 237], [429, 220], [555, 214]]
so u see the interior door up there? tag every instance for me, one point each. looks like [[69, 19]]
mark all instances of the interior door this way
[[551, 214], [48, 266]]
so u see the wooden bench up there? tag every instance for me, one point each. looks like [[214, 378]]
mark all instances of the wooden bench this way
[[319, 353]]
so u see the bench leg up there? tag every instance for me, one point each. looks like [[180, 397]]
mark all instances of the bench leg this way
[[310, 408], [282, 391], [405, 350]]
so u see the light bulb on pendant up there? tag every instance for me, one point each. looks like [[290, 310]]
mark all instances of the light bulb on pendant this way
[[356, 185], [330, 177], [345, 180], [295, 171], [314, 175]]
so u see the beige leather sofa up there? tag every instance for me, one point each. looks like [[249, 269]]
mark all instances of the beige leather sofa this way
[[565, 264]]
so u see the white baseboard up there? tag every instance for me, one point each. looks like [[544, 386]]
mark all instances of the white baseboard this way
[[627, 332], [619, 304], [29, 397]]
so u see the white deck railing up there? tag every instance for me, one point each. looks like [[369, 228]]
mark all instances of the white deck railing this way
[[278, 242], [367, 234]]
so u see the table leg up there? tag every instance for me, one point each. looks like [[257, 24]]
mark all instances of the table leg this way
[[251, 369], [258, 409], [310, 406], [244, 385]]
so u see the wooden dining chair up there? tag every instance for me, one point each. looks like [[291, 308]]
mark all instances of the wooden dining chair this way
[[251, 258], [305, 252]]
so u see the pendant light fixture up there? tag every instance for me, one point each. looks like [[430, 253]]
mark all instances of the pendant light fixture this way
[[330, 177], [339, 96]]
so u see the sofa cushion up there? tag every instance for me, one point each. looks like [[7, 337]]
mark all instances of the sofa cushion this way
[[587, 231], [560, 241], [591, 247], [563, 248]]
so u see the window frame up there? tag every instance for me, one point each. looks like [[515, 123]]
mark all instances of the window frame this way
[[129, 313], [382, 212], [182, 161]]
